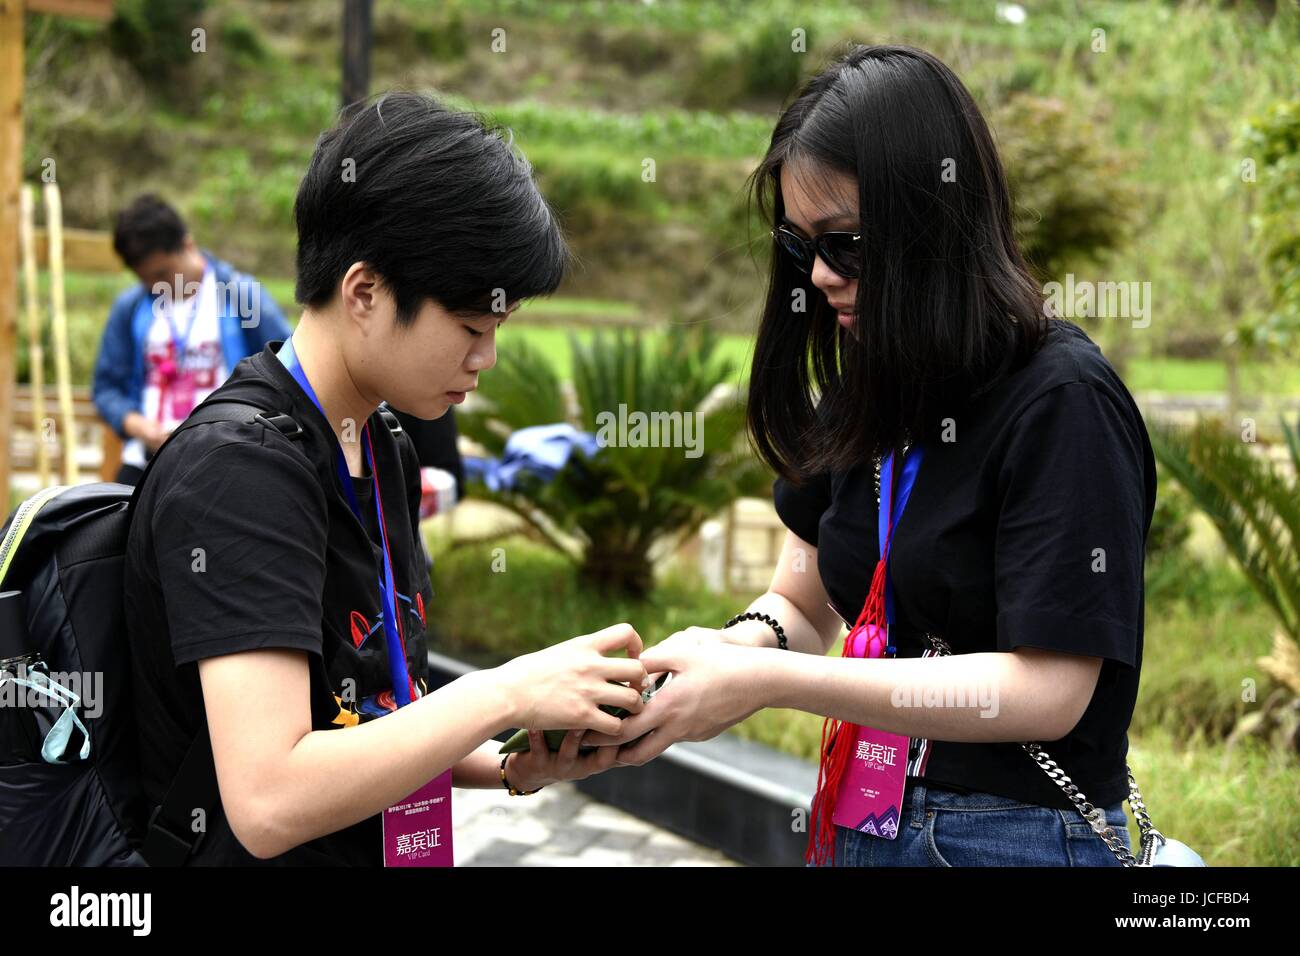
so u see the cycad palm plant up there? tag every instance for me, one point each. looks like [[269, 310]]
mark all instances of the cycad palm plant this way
[[611, 512], [1255, 507]]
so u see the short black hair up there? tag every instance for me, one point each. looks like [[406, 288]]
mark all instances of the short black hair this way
[[146, 226], [435, 200]]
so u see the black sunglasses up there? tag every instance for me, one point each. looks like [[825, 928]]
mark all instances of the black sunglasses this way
[[842, 251]]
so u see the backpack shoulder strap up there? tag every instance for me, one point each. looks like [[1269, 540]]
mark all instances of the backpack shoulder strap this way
[[170, 838], [230, 410], [223, 410], [390, 419]]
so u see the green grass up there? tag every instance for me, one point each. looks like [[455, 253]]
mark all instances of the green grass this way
[[662, 133], [565, 307], [1205, 630], [1209, 375], [536, 601], [1236, 807]]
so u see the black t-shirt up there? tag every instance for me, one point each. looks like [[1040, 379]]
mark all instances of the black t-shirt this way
[[243, 539], [1027, 529], [436, 443]]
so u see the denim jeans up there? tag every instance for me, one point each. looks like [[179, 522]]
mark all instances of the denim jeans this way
[[943, 828]]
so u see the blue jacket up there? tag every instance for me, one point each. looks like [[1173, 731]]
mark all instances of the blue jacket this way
[[118, 382]]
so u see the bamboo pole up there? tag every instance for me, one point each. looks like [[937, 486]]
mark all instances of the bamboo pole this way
[[59, 323], [11, 151], [35, 347]]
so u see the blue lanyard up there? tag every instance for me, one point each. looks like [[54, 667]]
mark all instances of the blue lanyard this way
[[911, 465], [177, 342], [397, 669]]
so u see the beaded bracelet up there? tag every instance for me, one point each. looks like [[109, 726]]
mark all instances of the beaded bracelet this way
[[769, 621], [505, 783]]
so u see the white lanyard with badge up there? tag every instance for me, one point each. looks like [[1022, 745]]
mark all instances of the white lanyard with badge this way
[[176, 381], [416, 829]]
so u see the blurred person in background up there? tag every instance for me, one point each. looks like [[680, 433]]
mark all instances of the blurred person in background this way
[[172, 339]]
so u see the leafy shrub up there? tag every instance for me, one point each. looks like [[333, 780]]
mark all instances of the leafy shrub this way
[[1171, 522], [241, 41], [609, 512], [154, 36], [1071, 201], [1273, 141]]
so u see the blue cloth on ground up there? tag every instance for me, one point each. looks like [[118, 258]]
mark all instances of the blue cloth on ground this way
[[541, 450]]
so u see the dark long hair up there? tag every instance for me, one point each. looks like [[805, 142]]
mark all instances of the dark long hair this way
[[946, 305]]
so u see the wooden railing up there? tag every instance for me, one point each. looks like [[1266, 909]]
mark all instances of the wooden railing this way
[[91, 431]]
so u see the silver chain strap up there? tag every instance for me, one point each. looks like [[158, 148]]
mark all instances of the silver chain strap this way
[[1094, 816], [1150, 838]]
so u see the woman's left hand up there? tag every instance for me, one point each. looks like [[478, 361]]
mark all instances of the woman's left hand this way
[[538, 766], [714, 686]]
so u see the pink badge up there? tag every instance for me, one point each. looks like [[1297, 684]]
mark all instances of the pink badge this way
[[870, 797], [871, 794], [182, 396], [417, 829]]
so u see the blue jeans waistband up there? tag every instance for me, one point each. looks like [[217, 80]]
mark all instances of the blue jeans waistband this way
[[919, 797]]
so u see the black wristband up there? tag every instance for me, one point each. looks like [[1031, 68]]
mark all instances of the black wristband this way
[[769, 621], [506, 783]]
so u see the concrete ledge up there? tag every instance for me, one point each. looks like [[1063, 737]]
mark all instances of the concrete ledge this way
[[739, 797]]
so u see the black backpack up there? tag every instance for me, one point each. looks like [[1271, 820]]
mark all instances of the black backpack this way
[[64, 549]]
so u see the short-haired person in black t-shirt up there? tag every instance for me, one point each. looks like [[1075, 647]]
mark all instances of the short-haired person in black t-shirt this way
[[901, 317], [275, 586]]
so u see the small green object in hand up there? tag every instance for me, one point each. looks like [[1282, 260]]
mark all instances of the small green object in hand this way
[[554, 738]]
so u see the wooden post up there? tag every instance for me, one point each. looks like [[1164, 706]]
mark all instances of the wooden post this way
[[35, 347], [356, 51], [59, 326], [11, 152]]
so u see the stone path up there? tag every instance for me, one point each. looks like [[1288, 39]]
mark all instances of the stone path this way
[[562, 827]]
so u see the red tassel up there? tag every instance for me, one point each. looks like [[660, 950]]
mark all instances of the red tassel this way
[[838, 736]]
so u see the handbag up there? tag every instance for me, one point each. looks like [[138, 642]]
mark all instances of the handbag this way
[[1154, 848]]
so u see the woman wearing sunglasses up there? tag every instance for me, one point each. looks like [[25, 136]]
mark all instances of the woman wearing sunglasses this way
[[904, 357]]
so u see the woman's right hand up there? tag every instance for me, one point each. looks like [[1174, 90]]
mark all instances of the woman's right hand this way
[[563, 686]]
